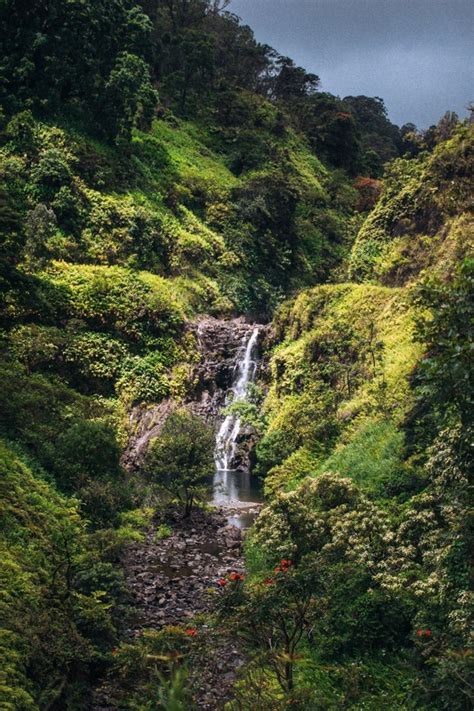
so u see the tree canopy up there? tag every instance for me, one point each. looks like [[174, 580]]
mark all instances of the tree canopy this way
[[181, 458]]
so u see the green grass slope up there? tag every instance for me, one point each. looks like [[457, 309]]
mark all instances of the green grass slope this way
[[339, 375], [423, 221]]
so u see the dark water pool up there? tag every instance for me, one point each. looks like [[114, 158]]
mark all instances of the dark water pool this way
[[237, 491], [234, 488]]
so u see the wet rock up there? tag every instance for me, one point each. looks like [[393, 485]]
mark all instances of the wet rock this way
[[145, 423]]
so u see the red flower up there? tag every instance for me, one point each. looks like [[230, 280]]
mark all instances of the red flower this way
[[236, 577], [278, 570], [222, 582], [191, 632], [268, 581], [423, 633]]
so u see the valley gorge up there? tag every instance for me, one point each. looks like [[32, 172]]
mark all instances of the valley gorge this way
[[236, 375], [171, 581]]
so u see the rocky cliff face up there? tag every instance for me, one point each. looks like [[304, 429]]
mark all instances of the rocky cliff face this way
[[219, 343], [145, 423]]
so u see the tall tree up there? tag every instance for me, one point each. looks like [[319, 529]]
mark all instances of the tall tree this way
[[181, 458]]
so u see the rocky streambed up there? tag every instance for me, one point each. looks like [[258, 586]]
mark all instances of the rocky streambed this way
[[170, 581], [168, 578]]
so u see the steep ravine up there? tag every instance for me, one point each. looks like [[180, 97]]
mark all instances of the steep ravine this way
[[171, 580]]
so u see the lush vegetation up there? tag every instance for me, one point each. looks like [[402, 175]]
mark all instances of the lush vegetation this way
[[156, 163], [366, 459], [180, 460]]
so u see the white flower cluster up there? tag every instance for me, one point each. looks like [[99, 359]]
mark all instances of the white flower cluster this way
[[327, 515]]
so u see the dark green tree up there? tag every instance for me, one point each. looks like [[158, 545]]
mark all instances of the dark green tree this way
[[181, 459], [379, 138], [331, 129], [447, 371], [293, 82], [11, 238], [59, 56], [86, 460], [129, 99]]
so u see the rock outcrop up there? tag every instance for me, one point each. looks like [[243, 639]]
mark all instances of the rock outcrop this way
[[219, 343], [145, 423]]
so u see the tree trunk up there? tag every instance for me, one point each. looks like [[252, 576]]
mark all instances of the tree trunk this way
[[189, 505], [289, 676]]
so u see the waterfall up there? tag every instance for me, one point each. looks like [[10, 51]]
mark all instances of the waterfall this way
[[226, 440]]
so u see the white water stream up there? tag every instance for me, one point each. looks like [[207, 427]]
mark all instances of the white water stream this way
[[226, 440]]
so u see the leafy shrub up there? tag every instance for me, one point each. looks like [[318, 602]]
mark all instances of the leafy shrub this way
[[120, 231], [36, 346], [50, 173], [446, 371], [117, 300], [162, 532], [51, 618], [95, 356], [143, 380], [87, 450]]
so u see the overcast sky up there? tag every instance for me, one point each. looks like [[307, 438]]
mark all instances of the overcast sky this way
[[418, 55]]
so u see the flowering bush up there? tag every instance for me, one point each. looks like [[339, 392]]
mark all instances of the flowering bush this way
[[423, 633], [328, 515], [273, 618]]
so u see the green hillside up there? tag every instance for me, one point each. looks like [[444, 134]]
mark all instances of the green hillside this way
[[365, 448]]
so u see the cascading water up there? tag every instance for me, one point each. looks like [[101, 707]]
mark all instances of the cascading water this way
[[226, 440]]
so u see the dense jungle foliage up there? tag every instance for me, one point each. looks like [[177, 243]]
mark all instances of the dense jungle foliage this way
[[156, 163]]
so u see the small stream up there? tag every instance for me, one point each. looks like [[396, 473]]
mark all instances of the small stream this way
[[168, 579], [236, 490]]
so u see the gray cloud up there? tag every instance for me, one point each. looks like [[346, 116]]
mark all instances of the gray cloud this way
[[416, 54]]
